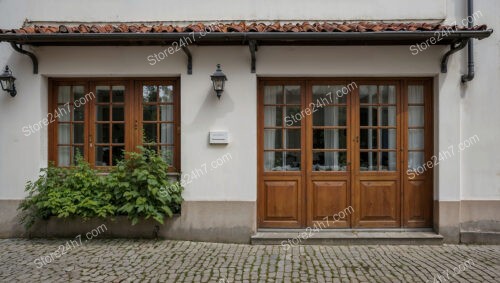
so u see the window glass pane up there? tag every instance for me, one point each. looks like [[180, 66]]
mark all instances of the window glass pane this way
[[102, 155], [330, 161], [64, 134], [415, 94], [388, 161], [415, 116], [166, 112], [368, 94], [292, 139], [64, 94], [118, 133], [77, 151], [118, 93], [149, 113], [118, 113], [273, 116], [167, 133], [387, 94], [330, 116], [149, 93], [102, 133], [368, 116], [415, 138], [415, 160], [368, 138], [166, 93], [78, 133], [272, 139], [150, 132], [273, 94], [292, 94], [388, 116], [387, 138], [118, 154], [329, 138], [102, 112], [102, 93], [63, 155], [368, 161]]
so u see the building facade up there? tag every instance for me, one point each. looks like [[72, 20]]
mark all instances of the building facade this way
[[345, 104]]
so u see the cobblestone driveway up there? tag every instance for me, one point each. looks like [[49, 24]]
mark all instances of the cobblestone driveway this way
[[175, 261]]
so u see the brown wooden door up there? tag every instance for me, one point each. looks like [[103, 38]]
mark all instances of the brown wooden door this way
[[325, 145]]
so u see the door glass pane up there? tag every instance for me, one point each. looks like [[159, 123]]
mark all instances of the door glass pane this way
[[273, 116], [292, 139], [102, 155], [330, 161], [329, 94], [149, 113], [64, 134], [368, 161], [387, 94], [388, 138], [293, 112], [63, 94], [102, 112], [415, 116], [330, 116], [388, 116], [78, 113], [273, 161], [78, 133], [77, 151], [102, 133], [368, 139], [63, 155], [272, 139], [149, 93], [149, 130], [118, 133], [167, 153], [167, 133], [273, 95], [415, 94], [388, 161], [292, 161], [118, 93], [415, 138], [118, 113], [118, 154], [368, 94], [368, 116], [166, 112], [64, 113], [292, 94], [329, 138], [166, 93], [102, 93], [415, 160]]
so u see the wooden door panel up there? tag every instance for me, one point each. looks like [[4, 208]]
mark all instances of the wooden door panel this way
[[379, 204], [281, 204], [328, 198]]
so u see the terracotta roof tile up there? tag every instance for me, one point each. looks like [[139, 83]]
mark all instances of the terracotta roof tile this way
[[241, 27]]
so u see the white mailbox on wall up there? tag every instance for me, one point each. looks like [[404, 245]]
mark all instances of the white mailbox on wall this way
[[219, 137]]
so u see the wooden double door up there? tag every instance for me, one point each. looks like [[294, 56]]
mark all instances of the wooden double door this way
[[344, 153]]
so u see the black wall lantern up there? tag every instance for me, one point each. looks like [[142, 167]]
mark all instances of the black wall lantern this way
[[218, 79], [7, 82]]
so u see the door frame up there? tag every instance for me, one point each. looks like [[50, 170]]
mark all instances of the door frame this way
[[407, 217]]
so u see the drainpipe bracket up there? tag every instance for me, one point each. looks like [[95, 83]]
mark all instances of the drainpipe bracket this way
[[34, 60], [455, 47]]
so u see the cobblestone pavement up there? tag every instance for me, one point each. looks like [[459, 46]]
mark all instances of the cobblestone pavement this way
[[176, 261]]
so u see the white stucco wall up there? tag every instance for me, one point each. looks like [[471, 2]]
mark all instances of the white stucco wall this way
[[462, 111]]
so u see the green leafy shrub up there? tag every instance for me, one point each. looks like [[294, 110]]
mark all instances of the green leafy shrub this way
[[141, 187], [137, 187]]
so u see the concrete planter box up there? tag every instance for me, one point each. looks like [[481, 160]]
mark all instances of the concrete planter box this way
[[116, 227]]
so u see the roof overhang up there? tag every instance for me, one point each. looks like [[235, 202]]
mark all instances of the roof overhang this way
[[243, 38]]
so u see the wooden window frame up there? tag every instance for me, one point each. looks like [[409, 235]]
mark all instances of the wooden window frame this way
[[133, 115]]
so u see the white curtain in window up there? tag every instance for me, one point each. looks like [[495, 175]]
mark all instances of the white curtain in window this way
[[270, 121], [391, 115], [415, 118]]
